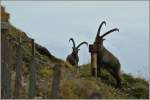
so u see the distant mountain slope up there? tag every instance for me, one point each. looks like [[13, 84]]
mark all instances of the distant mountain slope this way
[[75, 83]]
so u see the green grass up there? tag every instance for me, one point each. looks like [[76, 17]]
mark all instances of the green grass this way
[[134, 88], [78, 83]]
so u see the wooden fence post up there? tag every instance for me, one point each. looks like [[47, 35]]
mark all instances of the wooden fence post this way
[[3, 68], [8, 68], [6, 72], [93, 50], [32, 74], [18, 70], [56, 81]]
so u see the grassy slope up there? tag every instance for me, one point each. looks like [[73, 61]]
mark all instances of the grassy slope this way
[[76, 83], [131, 87]]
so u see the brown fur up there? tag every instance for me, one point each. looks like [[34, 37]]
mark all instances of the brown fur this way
[[106, 59], [73, 58]]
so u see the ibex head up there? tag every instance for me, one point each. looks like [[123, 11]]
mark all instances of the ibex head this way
[[99, 39], [74, 48]]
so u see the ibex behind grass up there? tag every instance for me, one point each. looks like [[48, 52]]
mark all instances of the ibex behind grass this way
[[106, 59], [73, 58]]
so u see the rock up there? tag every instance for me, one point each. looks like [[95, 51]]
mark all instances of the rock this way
[[95, 95]]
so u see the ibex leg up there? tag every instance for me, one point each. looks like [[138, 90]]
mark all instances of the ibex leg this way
[[98, 70], [117, 78]]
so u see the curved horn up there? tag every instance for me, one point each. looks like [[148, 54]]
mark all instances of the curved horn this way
[[82, 43], [100, 26], [110, 31], [71, 39]]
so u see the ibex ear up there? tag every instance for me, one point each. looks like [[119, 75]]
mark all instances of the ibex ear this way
[[78, 49]]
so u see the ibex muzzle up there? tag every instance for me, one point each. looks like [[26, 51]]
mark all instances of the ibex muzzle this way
[[73, 58], [106, 59]]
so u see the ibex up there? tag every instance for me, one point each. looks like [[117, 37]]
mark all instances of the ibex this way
[[73, 58], [106, 59]]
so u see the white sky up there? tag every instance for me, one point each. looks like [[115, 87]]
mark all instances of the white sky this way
[[52, 23]]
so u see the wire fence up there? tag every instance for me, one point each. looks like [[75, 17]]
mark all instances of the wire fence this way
[[8, 43]]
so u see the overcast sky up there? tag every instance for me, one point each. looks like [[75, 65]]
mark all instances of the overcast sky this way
[[52, 23]]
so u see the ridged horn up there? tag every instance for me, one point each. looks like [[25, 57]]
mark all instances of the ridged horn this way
[[100, 26], [82, 44], [71, 39], [110, 31]]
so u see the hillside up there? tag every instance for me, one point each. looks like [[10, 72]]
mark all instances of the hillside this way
[[74, 83]]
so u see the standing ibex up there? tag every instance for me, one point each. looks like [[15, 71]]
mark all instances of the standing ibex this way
[[73, 58], [105, 59]]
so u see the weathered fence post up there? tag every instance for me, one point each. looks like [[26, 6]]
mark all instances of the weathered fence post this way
[[18, 70], [56, 81], [3, 68], [6, 72], [32, 74], [8, 68], [93, 50]]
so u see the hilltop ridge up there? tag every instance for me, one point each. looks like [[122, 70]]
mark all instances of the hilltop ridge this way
[[73, 84]]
